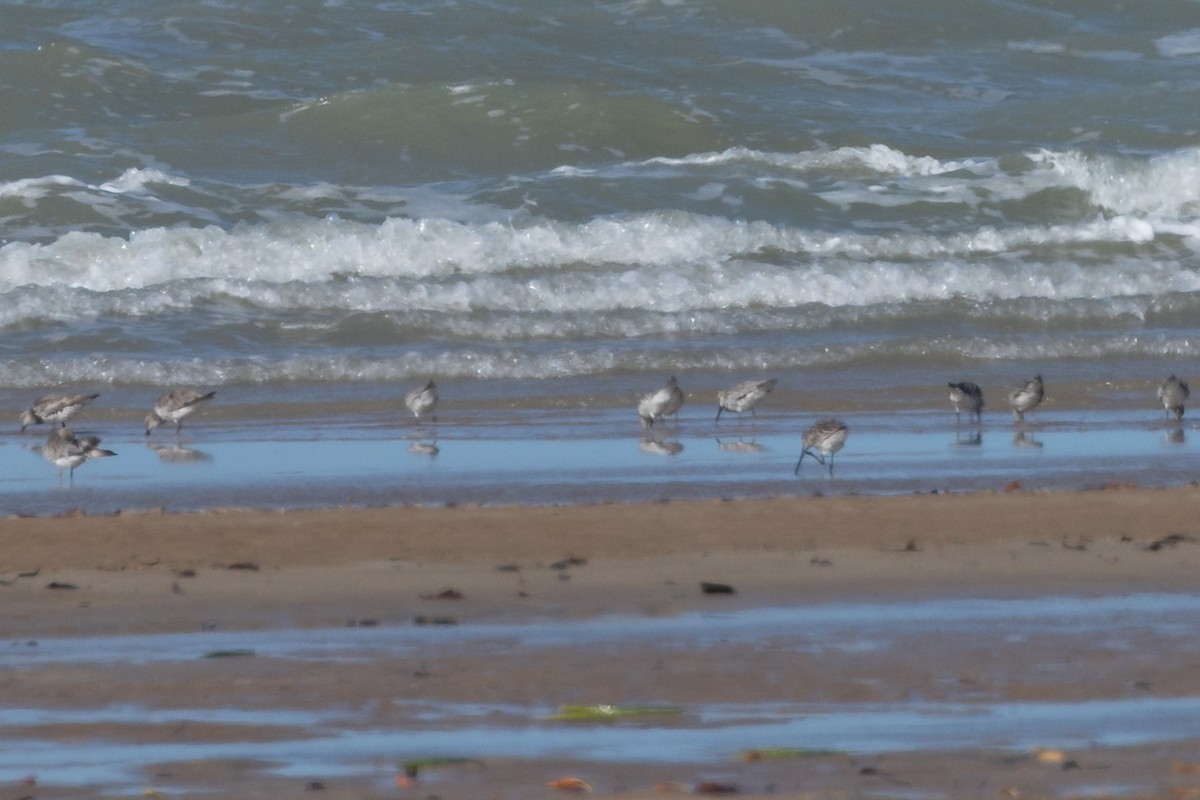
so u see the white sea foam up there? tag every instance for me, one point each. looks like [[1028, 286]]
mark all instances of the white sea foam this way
[[137, 180], [521, 364], [877, 159], [1181, 43], [1165, 186], [32, 189], [665, 262]]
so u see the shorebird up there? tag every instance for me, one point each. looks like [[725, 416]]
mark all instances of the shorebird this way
[[422, 400], [1172, 393], [1026, 398], [821, 441], [743, 397], [55, 408], [175, 406], [968, 396], [661, 403], [65, 450]]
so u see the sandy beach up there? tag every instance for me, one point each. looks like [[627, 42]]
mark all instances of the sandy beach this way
[[467, 570]]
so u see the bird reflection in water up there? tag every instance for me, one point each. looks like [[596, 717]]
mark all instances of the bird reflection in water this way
[[1024, 438], [1175, 435], [739, 445], [425, 448], [177, 453], [660, 447], [969, 438]]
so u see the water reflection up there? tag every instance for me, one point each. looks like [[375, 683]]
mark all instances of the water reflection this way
[[740, 445], [177, 453], [660, 447], [971, 438], [1023, 438], [425, 448], [1175, 436]]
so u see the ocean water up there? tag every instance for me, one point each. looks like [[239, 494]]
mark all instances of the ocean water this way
[[312, 207]]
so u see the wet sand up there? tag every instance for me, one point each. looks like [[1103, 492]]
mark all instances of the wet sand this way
[[457, 571]]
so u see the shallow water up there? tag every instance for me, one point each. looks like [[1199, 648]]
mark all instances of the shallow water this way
[[1050, 637], [563, 455]]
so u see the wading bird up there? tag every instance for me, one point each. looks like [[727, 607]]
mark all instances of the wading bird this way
[[822, 441], [743, 397]]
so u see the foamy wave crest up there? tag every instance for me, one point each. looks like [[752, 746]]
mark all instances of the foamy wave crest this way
[[131, 181], [875, 159], [660, 263], [521, 364], [1165, 186]]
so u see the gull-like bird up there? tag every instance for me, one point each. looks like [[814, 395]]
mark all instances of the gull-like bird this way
[[743, 397], [422, 401], [175, 406], [665, 401], [822, 441], [966, 396], [1173, 393], [54, 408], [1026, 398], [67, 451]]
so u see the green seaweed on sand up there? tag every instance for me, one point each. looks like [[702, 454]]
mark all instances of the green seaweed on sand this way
[[412, 768], [783, 753], [229, 654], [604, 711]]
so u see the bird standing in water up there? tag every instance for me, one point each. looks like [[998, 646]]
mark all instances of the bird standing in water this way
[[822, 441], [54, 408], [743, 397], [1173, 393], [667, 400], [1027, 397], [966, 396], [65, 450], [422, 401], [175, 406]]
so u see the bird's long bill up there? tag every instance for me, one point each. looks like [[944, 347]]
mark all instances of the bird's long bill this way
[[719, 410], [796, 471]]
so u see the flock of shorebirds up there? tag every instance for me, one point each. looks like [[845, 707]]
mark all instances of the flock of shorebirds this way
[[66, 450], [827, 436]]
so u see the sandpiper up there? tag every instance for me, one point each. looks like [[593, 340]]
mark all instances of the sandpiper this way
[[658, 404], [1173, 393], [743, 397], [422, 401], [55, 408], [967, 396], [175, 406], [1026, 398], [821, 441], [65, 450]]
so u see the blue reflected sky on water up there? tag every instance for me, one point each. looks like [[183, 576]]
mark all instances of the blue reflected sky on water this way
[[601, 459], [1112, 621], [349, 740], [704, 735]]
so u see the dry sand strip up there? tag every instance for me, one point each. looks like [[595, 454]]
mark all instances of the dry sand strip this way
[[162, 571]]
